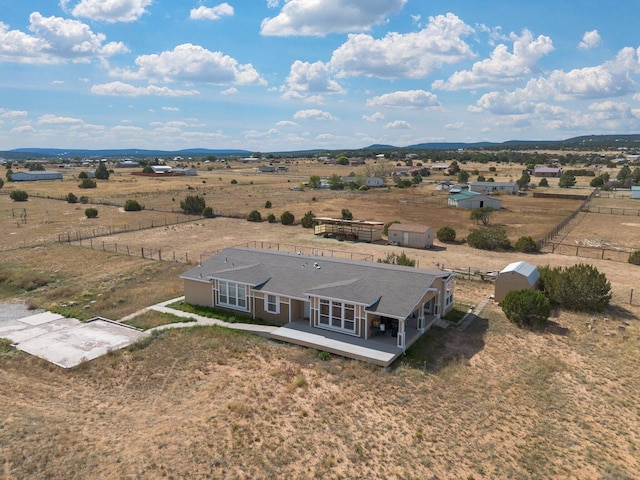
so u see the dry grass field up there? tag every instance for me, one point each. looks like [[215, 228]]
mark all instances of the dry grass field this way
[[492, 401]]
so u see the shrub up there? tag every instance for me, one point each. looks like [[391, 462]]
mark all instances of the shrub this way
[[208, 212], [87, 183], [634, 257], [395, 259], [1, 183], [71, 198], [490, 238], [346, 214], [234, 182], [543, 183], [84, 199], [482, 214], [132, 206], [254, 216], [385, 229], [271, 218], [578, 287], [287, 218], [527, 245], [308, 220], [101, 172], [19, 196], [527, 308], [446, 234], [147, 169], [267, 204], [193, 204], [82, 175], [91, 212]]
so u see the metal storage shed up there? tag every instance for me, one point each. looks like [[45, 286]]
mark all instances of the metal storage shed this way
[[413, 236], [515, 276]]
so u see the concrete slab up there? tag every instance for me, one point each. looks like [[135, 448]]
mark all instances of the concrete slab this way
[[41, 318]]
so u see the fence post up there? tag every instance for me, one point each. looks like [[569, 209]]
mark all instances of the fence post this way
[[91, 243], [159, 254], [631, 297], [128, 253], [186, 256], [142, 250]]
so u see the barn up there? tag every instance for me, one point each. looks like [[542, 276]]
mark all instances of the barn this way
[[412, 236], [515, 276], [36, 176], [473, 200]]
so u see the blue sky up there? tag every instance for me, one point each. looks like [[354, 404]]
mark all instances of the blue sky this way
[[269, 75]]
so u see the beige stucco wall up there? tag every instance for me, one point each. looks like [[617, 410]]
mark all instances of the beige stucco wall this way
[[508, 281], [198, 293]]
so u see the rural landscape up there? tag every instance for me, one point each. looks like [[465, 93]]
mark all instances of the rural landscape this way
[[492, 400]]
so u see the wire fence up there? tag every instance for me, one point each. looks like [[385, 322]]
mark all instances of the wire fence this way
[[563, 224], [633, 212]]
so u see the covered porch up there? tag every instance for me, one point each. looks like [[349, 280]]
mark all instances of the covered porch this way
[[380, 349]]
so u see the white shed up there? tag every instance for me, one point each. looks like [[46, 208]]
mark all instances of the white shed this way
[[635, 192], [412, 236], [516, 276]]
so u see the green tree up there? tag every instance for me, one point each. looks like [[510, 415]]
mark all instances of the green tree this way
[[482, 215], [526, 245], [395, 259], [271, 218], [267, 204], [132, 206], [314, 181], [623, 174], [308, 220], [101, 172], [342, 160], [71, 198], [446, 234], [454, 168], [193, 204], [463, 176], [9, 175], [597, 182], [82, 175], [147, 169], [634, 257], [335, 182], [385, 229], [346, 214], [87, 183], [91, 212], [489, 238], [544, 182], [481, 178], [1, 183], [527, 308], [19, 196], [523, 181], [567, 179], [254, 216], [579, 287], [36, 167], [287, 218], [208, 212]]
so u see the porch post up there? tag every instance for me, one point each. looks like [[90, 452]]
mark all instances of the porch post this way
[[421, 320], [401, 335]]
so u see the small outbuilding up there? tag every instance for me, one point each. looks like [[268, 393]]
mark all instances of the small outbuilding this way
[[412, 236], [635, 192], [515, 276], [471, 200]]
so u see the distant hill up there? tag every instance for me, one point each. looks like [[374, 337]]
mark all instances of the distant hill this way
[[132, 152]]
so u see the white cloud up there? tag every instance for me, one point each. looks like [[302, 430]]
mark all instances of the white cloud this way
[[230, 91], [257, 134], [502, 67], [54, 40], [128, 90], [455, 126], [590, 40], [313, 114], [373, 118], [405, 99], [211, 13], [23, 129], [309, 79], [312, 17], [171, 109], [287, 124], [397, 125], [411, 55], [193, 63], [110, 10], [50, 119], [273, 3], [12, 113]]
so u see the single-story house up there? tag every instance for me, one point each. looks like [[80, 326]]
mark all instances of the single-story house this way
[[266, 168], [189, 172], [551, 172], [371, 182], [36, 176], [354, 301], [127, 164], [515, 276], [161, 168], [471, 200], [635, 192], [494, 187], [412, 236]]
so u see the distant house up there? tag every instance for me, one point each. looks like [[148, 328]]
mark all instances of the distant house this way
[[127, 164], [371, 182], [36, 176], [159, 169], [635, 192], [515, 276], [266, 168], [494, 187], [473, 200], [355, 161], [357, 309], [439, 167], [412, 236], [550, 172], [189, 172]]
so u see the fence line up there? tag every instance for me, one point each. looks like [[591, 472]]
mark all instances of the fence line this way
[[600, 253], [560, 226], [614, 211]]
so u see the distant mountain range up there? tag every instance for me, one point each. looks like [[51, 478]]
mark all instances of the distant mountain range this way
[[582, 142]]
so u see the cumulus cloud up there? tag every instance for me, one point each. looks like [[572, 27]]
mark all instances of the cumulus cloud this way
[[410, 55], [211, 13], [405, 99], [171, 109], [110, 10], [287, 124], [502, 67], [230, 91], [311, 17], [50, 119], [590, 40], [55, 40], [397, 125], [127, 90], [193, 63], [313, 114], [373, 118], [12, 113], [309, 79]]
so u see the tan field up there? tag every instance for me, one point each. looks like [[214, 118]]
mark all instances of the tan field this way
[[492, 401]]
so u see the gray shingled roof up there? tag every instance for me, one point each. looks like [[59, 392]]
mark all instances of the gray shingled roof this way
[[390, 290]]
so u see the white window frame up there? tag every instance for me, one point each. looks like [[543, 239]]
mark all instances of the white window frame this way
[[331, 315], [272, 300], [233, 295]]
